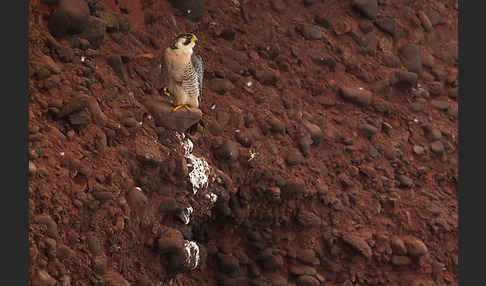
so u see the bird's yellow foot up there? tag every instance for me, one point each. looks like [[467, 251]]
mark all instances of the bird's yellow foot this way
[[183, 105], [166, 91]]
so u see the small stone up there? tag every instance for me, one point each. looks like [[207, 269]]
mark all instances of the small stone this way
[[368, 130], [70, 16], [307, 280], [315, 132], [228, 151], [171, 241], [50, 224], [405, 181], [270, 261], [398, 260], [293, 157], [410, 56], [425, 21], [357, 95], [228, 263], [418, 150], [406, 77], [386, 24], [359, 244], [311, 32], [302, 270], [437, 147], [278, 5], [308, 219], [439, 104], [398, 246], [308, 256], [436, 88], [221, 85], [94, 244], [368, 8], [276, 125], [295, 187], [43, 279], [78, 103], [32, 168], [244, 137], [137, 200], [415, 247]]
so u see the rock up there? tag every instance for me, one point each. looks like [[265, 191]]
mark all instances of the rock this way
[[323, 20], [76, 104], [270, 261], [391, 61], [345, 180], [433, 15], [357, 95], [295, 187], [368, 130], [276, 125], [94, 32], [110, 20], [315, 132], [322, 58], [436, 88], [50, 224], [415, 247], [308, 256], [32, 168], [229, 263], [398, 246], [99, 264], [368, 8], [410, 56], [278, 5], [64, 252], [245, 138], [307, 280], [359, 244], [405, 181], [115, 62], [425, 21], [311, 32], [302, 270], [398, 260], [386, 24], [221, 85], [228, 151], [179, 120], [439, 104], [293, 157], [171, 241], [407, 78], [437, 147], [70, 17], [113, 278], [418, 150], [365, 26], [432, 133], [308, 219], [137, 200], [43, 278]]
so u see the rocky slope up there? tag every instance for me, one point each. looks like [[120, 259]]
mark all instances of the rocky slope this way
[[326, 153]]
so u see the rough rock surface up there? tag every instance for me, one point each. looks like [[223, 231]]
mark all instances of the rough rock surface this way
[[324, 151]]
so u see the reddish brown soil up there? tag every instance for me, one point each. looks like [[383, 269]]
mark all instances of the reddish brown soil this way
[[82, 176]]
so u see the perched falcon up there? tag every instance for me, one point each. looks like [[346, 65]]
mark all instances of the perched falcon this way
[[183, 74]]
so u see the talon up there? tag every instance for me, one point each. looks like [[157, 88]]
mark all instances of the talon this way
[[177, 107], [166, 91], [187, 107]]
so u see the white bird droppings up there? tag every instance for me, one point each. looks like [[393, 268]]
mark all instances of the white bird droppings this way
[[187, 214], [199, 176], [192, 251]]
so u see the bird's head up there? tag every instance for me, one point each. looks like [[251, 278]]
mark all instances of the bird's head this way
[[185, 41]]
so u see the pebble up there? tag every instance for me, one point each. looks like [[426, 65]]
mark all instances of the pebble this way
[[276, 125], [368, 130], [70, 16], [307, 256], [359, 244], [437, 147], [270, 261], [406, 77], [137, 200], [398, 246], [295, 187], [425, 21], [32, 168], [405, 181], [278, 5], [410, 56], [311, 32], [315, 132], [386, 24], [399, 260], [94, 244], [357, 95], [228, 151], [369, 8], [435, 88], [439, 104], [43, 279], [432, 133], [302, 270], [293, 157], [415, 247], [307, 280], [228, 263], [417, 106], [419, 150], [50, 223], [308, 219]]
